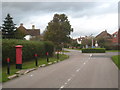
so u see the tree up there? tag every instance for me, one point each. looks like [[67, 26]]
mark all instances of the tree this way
[[73, 43], [105, 43], [58, 30], [87, 42], [19, 34], [8, 27]]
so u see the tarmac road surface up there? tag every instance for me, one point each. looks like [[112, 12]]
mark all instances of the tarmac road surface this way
[[81, 70]]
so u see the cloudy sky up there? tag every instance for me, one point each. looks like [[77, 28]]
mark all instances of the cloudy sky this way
[[85, 17]]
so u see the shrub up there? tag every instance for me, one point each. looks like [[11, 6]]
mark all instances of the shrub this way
[[28, 50], [93, 50], [49, 47]]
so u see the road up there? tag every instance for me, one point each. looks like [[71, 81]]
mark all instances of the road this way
[[81, 70]]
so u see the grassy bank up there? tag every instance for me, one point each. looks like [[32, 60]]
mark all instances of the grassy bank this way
[[29, 64], [116, 60]]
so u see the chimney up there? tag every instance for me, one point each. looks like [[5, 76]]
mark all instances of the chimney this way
[[33, 26], [105, 30], [21, 24]]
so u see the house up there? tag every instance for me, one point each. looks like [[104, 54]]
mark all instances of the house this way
[[116, 37], [104, 35], [30, 33], [79, 40], [113, 38]]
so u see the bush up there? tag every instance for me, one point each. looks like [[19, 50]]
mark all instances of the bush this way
[[93, 50], [28, 50], [49, 47]]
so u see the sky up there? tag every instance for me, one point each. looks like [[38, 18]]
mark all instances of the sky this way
[[86, 18]]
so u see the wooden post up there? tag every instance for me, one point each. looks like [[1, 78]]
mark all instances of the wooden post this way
[[8, 66], [36, 60]]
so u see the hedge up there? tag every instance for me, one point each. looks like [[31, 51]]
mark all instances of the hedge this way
[[28, 50], [93, 50]]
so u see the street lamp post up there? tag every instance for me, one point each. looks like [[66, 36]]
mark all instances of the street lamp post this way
[[92, 42], [96, 44], [63, 47]]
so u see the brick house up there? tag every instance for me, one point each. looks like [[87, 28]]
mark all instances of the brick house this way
[[30, 33], [104, 35], [116, 37]]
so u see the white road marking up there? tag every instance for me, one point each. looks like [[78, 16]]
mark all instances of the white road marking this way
[[65, 83], [31, 75], [81, 66], [90, 55], [77, 70], [62, 86], [72, 76], [68, 80]]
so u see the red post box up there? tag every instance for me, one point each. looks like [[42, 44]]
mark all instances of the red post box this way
[[8, 60], [18, 57], [35, 55], [47, 53]]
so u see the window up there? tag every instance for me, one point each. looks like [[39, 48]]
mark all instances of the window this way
[[114, 35]]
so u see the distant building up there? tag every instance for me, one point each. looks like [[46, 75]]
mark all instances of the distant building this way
[[104, 35], [112, 37], [30, 33], [116, 37], [79, 40], [84, 38]]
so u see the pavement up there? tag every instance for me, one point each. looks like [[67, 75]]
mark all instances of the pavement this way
[[81, 70]]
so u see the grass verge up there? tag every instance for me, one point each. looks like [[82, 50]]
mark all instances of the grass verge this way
[[29, 64], [65, 51], [74, 48], [116, 60], [112, 50]]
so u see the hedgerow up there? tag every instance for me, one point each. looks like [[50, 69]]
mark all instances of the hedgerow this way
[[93, 50], [28, 50]]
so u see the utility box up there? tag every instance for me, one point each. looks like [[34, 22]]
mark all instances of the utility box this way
[[18, 56]]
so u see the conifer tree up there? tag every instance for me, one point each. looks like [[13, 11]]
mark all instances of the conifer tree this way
[[8, 27]]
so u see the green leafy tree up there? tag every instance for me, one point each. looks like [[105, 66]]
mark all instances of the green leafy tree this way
[[87, 42], [105, 43], [8, 27], [19, 34], [73, 43], [58, 30]]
